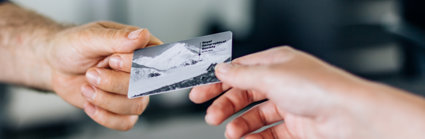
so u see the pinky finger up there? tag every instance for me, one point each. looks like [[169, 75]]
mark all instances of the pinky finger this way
[[110, 120], [276, 132]]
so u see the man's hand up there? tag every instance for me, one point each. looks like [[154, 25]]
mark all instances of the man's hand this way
[[81, 59], [312, 98], [88, 66]]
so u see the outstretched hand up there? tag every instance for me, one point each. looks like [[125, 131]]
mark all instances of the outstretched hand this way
[[312, 98], [90, 67]]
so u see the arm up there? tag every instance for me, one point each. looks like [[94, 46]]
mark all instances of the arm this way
[[23, 38], [311, 97]]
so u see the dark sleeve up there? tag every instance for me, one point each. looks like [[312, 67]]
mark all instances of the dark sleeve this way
[[2, 1]]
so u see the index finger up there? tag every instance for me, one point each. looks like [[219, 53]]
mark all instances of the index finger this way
[[201, 94]]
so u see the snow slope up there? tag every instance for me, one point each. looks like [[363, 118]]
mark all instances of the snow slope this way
[[177, 56], [176, 64]]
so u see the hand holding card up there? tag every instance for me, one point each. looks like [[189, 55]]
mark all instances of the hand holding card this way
[[179, 65], [78, 59]]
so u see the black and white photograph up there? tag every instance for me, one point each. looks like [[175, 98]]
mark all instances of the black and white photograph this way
[[178, 65]]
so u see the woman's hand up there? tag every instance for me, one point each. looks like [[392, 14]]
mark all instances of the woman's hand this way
[[312, 98]]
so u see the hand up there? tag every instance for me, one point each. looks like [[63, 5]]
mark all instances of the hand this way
[[102, 90], [312, 98]]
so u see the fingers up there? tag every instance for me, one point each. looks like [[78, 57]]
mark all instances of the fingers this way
[[228, 104], [121, 62], [109, 80], [100, 39], [62, 82], [107, 101], [119, 104], [110, 120], [261, 115], [142, 36], [244, 77], [125, 41], [113, 25], [270, 56], [201, 94]]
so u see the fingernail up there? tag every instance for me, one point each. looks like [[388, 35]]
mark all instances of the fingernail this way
[[93, 77], [89, 109], [135, 34], [116, 61], [223, 67], [88, 92], [208, 119]]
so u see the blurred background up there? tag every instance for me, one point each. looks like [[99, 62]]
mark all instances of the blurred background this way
[[381, 40]]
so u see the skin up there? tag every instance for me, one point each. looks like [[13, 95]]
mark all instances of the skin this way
[[88, 65], [311, 98]]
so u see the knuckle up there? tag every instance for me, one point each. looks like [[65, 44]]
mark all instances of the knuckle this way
[[127, 127], [116, 35], [284, 51], [248, 96], [129, 123], [101, 23], [98, 23], [269, 71], [238, 69], [99, 99], [101, 119], [237, 61], [287, 47], [231, 104], [83, 38], [139, 107], [282, 54], [105, 79]]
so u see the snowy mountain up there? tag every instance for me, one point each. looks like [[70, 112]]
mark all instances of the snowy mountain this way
[[178, 55], [144, 72]]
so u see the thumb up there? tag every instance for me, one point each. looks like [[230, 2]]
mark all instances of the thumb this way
[[243, 76], [121, 41]]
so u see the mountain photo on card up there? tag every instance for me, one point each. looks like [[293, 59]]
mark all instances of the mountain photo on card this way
[[179, 65]]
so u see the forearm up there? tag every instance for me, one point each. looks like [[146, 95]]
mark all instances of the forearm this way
[[403, 111], [24, 36], [390, 111]]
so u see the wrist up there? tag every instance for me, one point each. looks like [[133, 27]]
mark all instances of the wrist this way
[[24, 43], [43, 54], [33, 63]]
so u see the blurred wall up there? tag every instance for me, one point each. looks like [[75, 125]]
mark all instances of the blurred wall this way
[[170, 20]]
